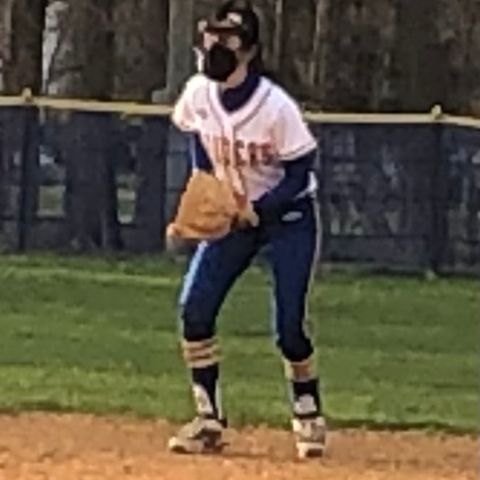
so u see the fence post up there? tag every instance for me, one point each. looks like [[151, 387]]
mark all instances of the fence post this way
[[438, 241], [29, 162], [150, 207], [322, 179]]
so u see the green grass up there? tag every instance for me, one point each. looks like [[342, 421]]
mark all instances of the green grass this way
[[100, 335]]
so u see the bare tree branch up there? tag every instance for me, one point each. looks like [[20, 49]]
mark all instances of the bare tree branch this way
[[278, 35]]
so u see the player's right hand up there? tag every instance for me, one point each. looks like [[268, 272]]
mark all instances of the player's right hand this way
[[247, 217]]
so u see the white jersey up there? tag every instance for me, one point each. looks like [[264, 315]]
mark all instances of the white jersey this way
[[246, 146]]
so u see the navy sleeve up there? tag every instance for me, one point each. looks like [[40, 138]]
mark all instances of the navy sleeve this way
[[198, 155], [296, 179]]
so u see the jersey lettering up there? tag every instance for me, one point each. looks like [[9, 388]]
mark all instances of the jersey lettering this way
[[240, 154]]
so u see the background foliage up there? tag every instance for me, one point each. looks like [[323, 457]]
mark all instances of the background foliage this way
[[354, 55]]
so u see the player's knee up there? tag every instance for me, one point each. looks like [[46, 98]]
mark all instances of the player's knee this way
[[294, 344], [196, 320]]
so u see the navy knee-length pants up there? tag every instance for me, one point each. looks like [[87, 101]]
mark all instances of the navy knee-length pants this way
[[292, 249]]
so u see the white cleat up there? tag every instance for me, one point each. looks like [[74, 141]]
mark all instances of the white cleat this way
[[310, 437], [201, 435]]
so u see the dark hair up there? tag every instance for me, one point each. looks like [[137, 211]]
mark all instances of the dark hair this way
[[256, 64]]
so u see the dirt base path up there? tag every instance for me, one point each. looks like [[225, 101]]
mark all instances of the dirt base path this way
[[67, 447]]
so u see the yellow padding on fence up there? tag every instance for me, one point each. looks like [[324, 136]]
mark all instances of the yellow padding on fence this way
[[436, 115]]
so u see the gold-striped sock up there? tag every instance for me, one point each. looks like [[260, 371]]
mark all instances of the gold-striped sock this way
[[303, 371], [201, 354]]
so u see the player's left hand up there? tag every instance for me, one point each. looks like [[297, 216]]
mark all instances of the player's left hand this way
[[208, 210]]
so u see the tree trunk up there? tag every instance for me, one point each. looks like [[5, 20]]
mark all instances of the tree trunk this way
[[277, 51], [318, 42], [419, 59], [23, 22], [141, 47], [91, 196], [180, 52], [21, 50]]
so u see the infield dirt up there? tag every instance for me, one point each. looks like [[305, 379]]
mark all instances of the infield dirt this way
[[82, 447]]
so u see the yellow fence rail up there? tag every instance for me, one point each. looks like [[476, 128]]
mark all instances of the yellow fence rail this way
[[436, 115]]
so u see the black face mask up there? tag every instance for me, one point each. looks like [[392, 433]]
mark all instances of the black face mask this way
[[219, 63]]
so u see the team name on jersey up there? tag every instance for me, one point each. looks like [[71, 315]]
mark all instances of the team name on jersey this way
[[239, 153]]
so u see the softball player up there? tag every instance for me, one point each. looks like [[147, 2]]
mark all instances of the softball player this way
[[246, 129]]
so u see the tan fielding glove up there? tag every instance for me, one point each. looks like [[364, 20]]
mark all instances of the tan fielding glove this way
[[208, 210]]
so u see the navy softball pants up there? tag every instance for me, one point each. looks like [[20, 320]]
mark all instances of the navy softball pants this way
[[292, 248]]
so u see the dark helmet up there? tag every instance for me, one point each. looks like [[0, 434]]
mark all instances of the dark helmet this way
[[244, 21]]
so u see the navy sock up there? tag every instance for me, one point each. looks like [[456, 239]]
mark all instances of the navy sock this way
[[206, 391], [306, 399]]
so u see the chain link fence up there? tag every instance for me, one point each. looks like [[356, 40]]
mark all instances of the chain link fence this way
[[396, 191]]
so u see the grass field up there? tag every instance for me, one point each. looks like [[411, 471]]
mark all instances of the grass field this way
[[101, 336]]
